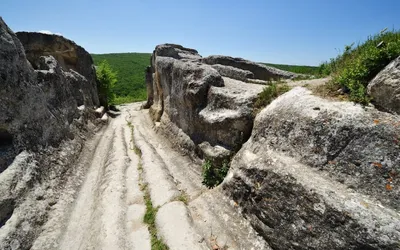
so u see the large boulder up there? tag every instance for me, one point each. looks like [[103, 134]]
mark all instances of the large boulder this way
[[199, 102], [42, 130], [385, 87], [260, 71], [317, 174], [71, 58]]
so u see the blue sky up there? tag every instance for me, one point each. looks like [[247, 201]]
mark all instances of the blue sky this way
[[279, 31]]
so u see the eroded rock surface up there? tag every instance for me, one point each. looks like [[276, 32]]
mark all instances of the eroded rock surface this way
[[260, 71], [71, 58], [317, 174], [385, 87], [41, 127], [199, 101]]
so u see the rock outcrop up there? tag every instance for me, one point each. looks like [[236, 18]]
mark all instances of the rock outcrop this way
[[234, 73], [313, 174], [385, 87], [317, 174], [71, 57], [260, 71], [196, 104], [46, 108]]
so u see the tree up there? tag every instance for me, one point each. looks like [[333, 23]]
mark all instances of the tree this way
[[106, 81]]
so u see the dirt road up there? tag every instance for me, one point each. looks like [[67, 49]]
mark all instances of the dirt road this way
[[107, 209]]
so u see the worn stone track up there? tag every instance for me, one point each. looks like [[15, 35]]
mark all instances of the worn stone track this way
[[108, 209]]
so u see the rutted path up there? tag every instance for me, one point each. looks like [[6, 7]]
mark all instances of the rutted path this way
[[108, 211]]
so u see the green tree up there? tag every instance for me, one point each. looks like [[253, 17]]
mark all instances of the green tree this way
[[106, 82]]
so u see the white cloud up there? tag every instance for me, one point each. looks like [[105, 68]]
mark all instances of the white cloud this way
[[48, 32]]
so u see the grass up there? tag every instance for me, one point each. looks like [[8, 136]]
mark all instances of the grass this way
[[183, 197], [130, 68], [151, 211], [358, 65], [268, 94], [214, 175], [150, 219]]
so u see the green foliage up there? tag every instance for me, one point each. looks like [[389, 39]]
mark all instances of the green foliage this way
[[131, 68], [107, 79], [357, 66], [269, 93], [150, 219], [214, 175], [300, 69]]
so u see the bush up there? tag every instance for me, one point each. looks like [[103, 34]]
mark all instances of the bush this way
[[269, 93], [107, 79], [357, 66], [214, 175]]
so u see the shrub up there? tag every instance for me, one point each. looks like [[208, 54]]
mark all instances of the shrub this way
[[357, 66], [107, 79], [214, 175]]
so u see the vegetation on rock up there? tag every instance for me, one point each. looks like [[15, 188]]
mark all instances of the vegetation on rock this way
[[269, 93], [214, 175], [357, 66]]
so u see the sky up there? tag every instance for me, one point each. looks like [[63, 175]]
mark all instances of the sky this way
[[302, 32]]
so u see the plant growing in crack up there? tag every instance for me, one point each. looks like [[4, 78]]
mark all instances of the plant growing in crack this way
[[214, 175]]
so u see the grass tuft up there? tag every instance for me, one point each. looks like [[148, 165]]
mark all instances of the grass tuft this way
[[183, 197], [269, 93]]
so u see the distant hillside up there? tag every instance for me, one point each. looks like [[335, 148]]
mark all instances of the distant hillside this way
[[300, 69], [130, 69]]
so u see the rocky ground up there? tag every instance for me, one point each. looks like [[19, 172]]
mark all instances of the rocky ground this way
[[103, 206], [304, 172]]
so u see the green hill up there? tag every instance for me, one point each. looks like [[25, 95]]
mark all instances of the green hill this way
[[130, 68], [300, 69]]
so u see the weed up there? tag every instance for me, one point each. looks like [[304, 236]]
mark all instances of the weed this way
[[213, 176], [269, 93], [183, 197], [150, 219]]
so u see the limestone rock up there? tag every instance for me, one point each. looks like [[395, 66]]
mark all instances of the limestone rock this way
[[199, 101], [41, 127], [174, 51], [317, 174], [385, 87], [69, 55], [260, 71], [234, 73]]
